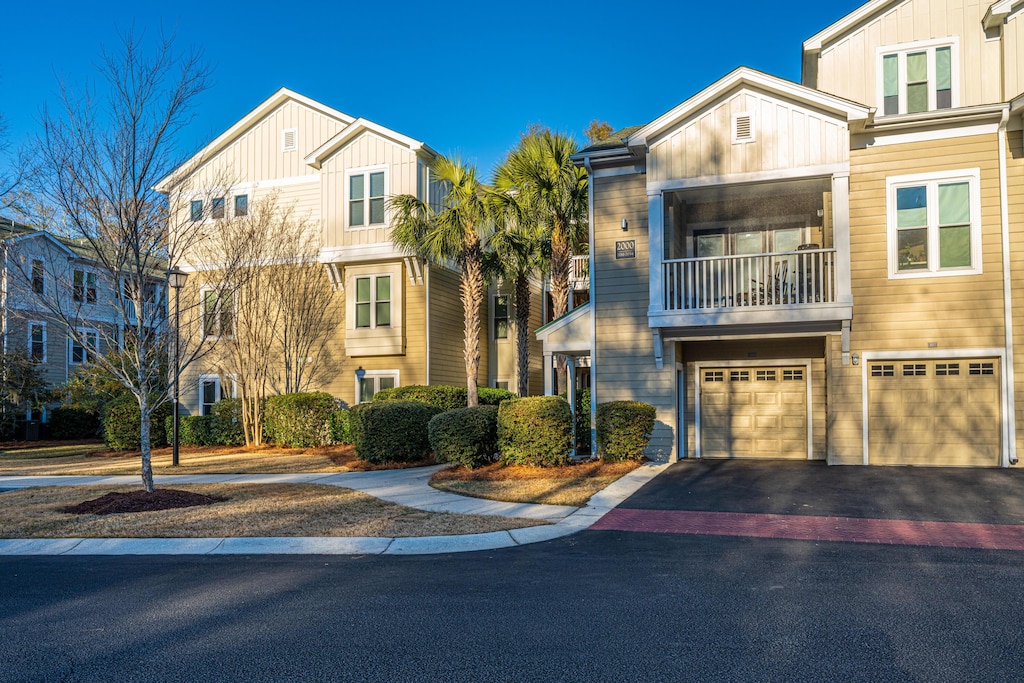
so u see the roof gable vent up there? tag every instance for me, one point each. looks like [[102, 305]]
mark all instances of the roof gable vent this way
[[742, 128], [289, 140]]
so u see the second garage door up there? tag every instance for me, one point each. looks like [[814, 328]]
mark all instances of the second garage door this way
[[934, 412], [754, 412]]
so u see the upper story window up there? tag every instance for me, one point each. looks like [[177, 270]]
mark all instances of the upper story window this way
[[217, 207], [241, 205], [934, 224], [196, 209], [918, 77], [501, 317], [218, 314], [373, 301], [85, 346], [84, 286], [38, 277], [37, 342], [366, 199]]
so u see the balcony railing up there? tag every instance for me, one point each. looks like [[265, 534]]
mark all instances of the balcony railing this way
[[736, 282], [579, 272]]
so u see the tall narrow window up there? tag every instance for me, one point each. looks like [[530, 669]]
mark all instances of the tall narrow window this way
[[373, 301], [209, 393], [217, 207], [37, 342], [242, 205], [218, 314], [501, 317], [377, 198], [366, 199], [84, 346], [917, 82], [891, 76], [84, 286], [356, 201], [197, 209], [38, 277]]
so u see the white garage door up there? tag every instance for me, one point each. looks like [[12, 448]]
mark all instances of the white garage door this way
[[754, 412], [934, 412]]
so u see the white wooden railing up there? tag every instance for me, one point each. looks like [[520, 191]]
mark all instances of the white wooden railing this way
[[790, 278], [579, 272]]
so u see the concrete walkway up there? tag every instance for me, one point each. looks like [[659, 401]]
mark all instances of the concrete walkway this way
[[407, 487]]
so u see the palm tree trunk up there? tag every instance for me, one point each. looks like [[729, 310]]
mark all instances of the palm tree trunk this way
[[560, 261], [472, 291], [522, 287]]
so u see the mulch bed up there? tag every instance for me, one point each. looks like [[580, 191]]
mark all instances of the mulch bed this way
[[499, 472], [141, 501]]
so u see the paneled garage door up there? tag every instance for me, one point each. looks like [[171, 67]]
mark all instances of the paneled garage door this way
[[934, 412], [753, 412]]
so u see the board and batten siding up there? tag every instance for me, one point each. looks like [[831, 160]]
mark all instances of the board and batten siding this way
[[917, 314], [447, 332], [366, 151], [624, 365], [786, 136], [848, 64], [1013, 39]]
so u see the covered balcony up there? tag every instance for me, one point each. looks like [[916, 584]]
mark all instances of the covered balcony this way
[[752, 254]]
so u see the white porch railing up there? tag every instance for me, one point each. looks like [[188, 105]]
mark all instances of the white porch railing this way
[[579, 272], [729, 282]]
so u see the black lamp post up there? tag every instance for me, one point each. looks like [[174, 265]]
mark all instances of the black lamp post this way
[[176, 279]]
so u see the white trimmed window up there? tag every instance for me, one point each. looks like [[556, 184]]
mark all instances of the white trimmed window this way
[[196, 210], [38, 276], [500, 308], [209, 393], [934, 224], [918, 77], [374, 381], [241, 205], [85, 346], [84, 287], [373, 301], [218, 313], [366, 192], [217, 207], [37, 342]]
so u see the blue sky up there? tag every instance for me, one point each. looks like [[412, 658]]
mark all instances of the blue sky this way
[[465, 78]]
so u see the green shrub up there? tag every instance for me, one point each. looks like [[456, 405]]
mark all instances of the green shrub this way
[[121, 424], [193, 430], [340, 427], [73, 423], [624, 429], [391, 431], [222, 428], [298, 420], [535, 431], [465, 436], [442, 396], [227, 427], [582, 426]]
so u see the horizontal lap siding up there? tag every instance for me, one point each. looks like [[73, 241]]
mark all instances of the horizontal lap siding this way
[[447, 332], [624, 364]]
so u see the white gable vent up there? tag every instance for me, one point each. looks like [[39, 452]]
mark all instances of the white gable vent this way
[[289, 140], [742, 128]]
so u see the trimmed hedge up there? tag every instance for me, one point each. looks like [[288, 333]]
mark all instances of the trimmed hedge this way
[[340, 427], [442, 396], [391, 431], [535, 431], [121, 424], [299, 420], [465, 436], [73, 423], [624, 429], [227, 427], [222, 428], [582, 426]]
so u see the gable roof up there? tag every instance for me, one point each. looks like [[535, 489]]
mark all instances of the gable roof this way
[[745, 76], [998, 12], [268, 105], [356, 128]]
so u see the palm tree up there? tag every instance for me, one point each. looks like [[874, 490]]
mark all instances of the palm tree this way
[[544, 177], [454, 231], [515, 253]]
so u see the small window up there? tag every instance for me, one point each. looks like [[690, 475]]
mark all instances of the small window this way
[[197, 209], [38, 277], [84, 346], [501, 384], [914, 370], [947, 369], [241, 205], [714, 376], [501, 317], [373, 382], [883, 371], [982, 368], [792, 375], [217, 207], [366, 199], [289, 139], [37, 342], [765, 375], [209, 393], [739, 376], [373, 301], [84, 286], [218, 314]]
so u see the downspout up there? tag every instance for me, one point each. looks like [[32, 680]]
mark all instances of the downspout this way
[[593, 307], [1010, 430], [426, 294]]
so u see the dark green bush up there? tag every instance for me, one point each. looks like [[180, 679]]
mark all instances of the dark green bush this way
[[73, 423], [535, 431], [193, 430], [222, 428], [227, 427], [121, 424], [442, 396], [339, 427], [299, 420], [582, 426], [465, 436], [391, 431], [624, 429]]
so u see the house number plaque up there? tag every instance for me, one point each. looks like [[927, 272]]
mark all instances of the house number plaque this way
[[625, 249]]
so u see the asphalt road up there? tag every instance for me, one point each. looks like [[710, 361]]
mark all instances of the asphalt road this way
[[597, 606]]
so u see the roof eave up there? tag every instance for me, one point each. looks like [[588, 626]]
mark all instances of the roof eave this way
[[353, 130]]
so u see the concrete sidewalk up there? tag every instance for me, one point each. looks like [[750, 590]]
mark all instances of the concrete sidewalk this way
[[407, 487]]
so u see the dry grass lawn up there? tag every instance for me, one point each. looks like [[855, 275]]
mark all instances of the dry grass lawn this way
[[56, 458], [572, 485], [252, 510]]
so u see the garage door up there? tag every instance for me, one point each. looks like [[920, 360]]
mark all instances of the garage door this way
[[754, 412], [934, 412]]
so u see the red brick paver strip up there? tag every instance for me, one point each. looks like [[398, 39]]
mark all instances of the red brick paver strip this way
[[808, 528]]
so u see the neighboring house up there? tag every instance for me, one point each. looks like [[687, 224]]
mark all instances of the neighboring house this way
[[824, 270], [401, 319], [44, 274]]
